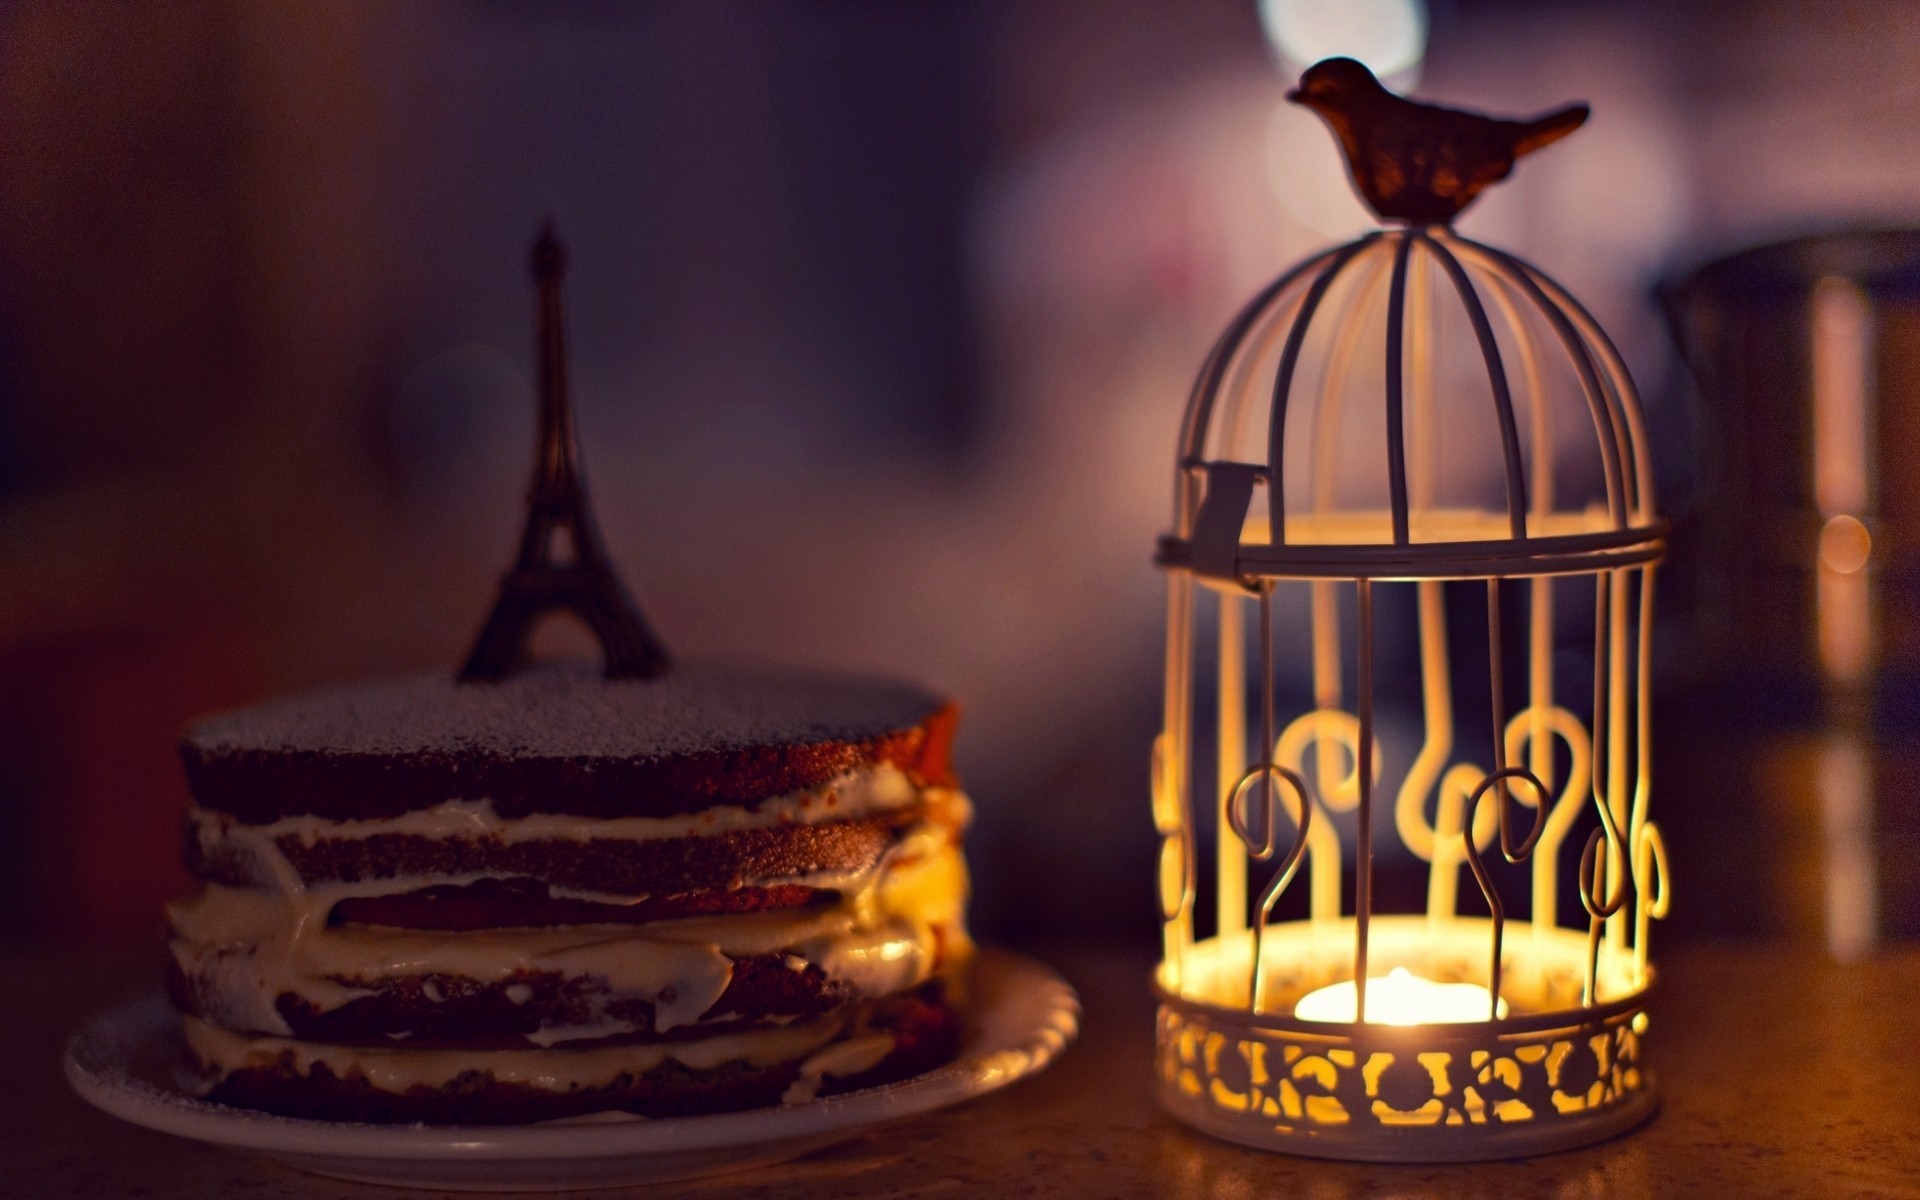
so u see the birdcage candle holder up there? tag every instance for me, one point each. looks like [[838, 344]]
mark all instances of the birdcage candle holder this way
[[1408, 660]]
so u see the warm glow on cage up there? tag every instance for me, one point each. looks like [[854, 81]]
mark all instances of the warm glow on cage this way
[[1412, 479]]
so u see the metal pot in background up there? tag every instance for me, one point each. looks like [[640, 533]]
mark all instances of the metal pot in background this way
[[1794, 726]]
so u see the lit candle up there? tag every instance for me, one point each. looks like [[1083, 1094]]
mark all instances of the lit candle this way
[[1402, 998]]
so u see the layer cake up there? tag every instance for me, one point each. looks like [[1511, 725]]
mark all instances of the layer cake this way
[[562, 894]]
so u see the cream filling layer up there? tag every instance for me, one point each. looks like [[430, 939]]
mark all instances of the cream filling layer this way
[[222, 1052], [245, 947], [866, 791], [258, 848]]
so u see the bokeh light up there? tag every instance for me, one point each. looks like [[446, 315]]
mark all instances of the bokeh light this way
[[1390, 36]]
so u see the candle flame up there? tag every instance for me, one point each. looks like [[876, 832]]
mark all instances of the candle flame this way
[[1402, 998]]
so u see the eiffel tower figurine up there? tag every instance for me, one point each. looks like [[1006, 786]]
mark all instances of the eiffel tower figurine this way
[[584, 583]]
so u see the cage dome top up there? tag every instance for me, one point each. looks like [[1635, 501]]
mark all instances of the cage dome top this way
[[1414, 403]]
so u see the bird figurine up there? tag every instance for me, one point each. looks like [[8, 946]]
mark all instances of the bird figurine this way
[[1420, 163]]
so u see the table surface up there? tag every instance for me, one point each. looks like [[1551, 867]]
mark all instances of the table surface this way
[[1784, 1075]]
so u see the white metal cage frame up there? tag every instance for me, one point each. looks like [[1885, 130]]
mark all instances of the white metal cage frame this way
[[1377, 479]]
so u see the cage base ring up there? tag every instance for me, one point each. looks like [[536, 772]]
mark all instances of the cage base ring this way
[[1444, 1144], [1556, 1073]]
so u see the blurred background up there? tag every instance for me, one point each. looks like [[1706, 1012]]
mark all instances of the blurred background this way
[[882, 320]]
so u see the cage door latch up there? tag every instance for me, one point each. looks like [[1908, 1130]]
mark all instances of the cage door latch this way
[[1223, 514]]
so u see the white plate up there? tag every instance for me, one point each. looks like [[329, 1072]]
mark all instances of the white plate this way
[[126, 1061]]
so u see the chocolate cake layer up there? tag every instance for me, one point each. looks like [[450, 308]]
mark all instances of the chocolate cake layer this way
[[663, 867], [668, 1090], [526, 903], [562, 739], [920, 1031]]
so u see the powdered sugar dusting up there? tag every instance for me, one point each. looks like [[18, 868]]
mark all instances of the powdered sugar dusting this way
[[569, 710]]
